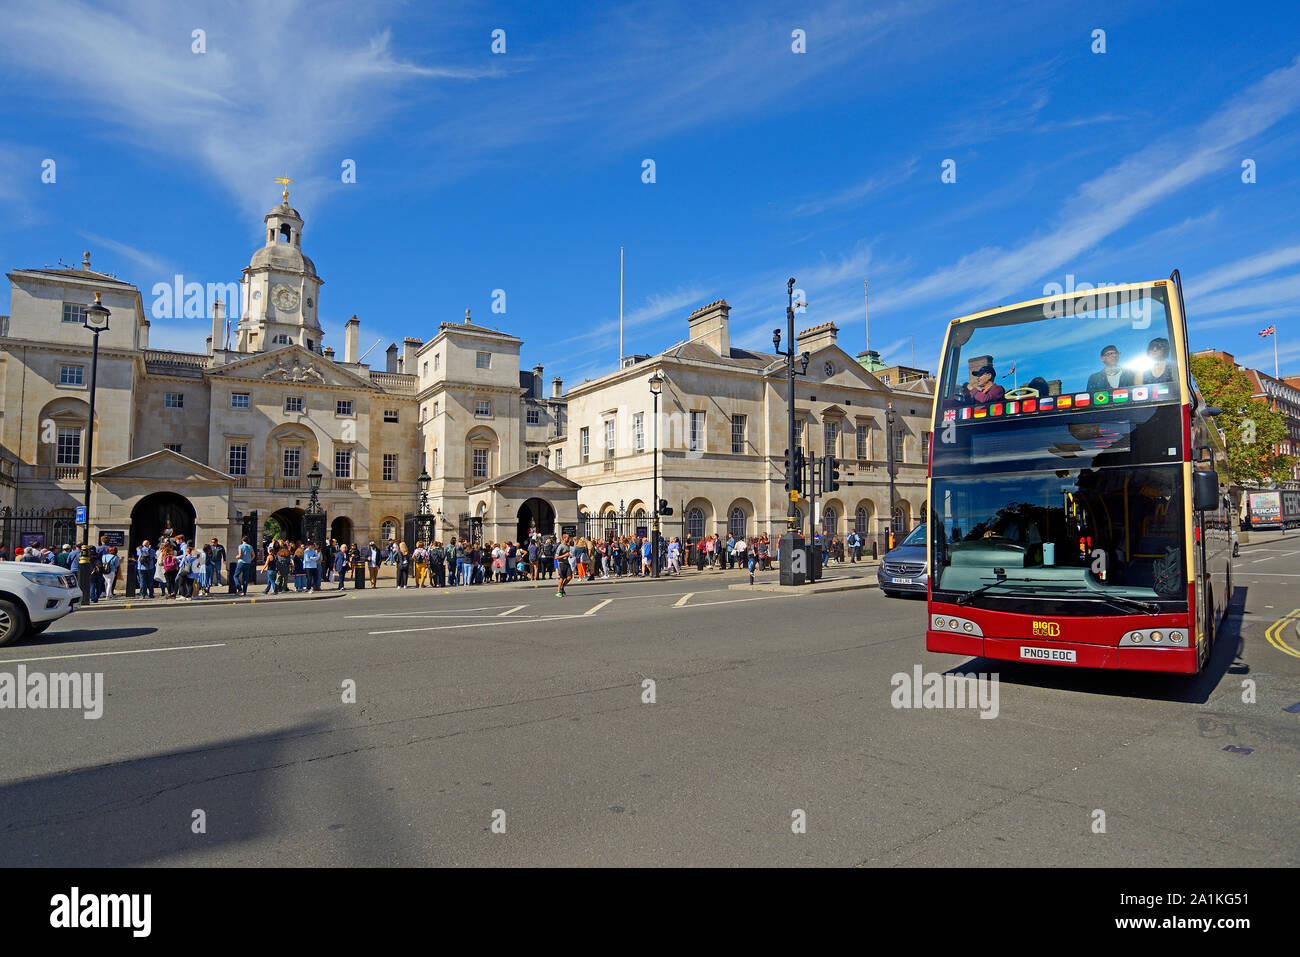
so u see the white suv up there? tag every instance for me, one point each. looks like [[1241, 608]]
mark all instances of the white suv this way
[[32, 596]]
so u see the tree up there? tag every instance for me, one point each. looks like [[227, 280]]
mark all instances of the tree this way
[[1252, 431]]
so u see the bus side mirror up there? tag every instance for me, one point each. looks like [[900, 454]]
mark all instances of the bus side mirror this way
[[1205, 490], [1212, 411]]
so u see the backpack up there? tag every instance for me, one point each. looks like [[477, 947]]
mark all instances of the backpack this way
[[169, 562]]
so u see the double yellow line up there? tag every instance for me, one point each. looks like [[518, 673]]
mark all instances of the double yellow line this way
[[1274, 634]]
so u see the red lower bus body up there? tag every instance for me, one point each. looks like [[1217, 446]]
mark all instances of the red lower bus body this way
[[1095, 641]]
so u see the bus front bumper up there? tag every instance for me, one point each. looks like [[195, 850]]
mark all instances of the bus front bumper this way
[[1067, 653]]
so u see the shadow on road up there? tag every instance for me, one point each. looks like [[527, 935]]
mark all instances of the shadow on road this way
[[306, 793], [53, 640], [1225, 658]]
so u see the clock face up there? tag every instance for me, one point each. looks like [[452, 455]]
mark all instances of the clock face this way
[[829, 369], [284, 297]]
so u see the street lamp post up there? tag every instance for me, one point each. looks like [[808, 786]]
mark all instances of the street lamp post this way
[[424, 518], [656, 388], [791, 541], [314, 522], [890, 419], [96, 321]]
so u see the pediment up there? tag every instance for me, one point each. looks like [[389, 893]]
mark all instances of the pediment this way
[[292, 365], [537, 477], [163, 466]]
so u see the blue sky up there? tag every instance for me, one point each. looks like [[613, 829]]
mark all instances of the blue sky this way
[[523, 171]]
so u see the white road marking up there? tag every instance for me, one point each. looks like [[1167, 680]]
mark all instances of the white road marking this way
[[512, 611], [97, 654], [426, 613], [683, 600], [596, 608], [1258, 560], [481, 624], [733, 601], [1289, 554]]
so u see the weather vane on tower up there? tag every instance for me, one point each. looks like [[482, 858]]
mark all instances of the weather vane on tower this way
[[286, 182]]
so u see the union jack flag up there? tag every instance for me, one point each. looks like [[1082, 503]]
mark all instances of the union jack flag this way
[[1268, 332]]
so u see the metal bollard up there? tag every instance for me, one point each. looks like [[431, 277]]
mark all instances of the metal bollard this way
[[359, 581]]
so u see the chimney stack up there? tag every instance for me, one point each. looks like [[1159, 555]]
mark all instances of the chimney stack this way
[[410, 346], [818, 337], [329, 353], [537, 381], [351, 339], [557, 388], [218, 340], [392, 358], [708, 325]]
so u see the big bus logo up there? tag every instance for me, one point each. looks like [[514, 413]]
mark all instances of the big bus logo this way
[[1049, 628]]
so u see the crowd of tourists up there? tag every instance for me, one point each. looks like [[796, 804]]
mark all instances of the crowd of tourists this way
[[181, 570]]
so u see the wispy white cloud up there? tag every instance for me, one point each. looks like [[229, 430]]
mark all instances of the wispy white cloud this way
[[1230, 274], [1106, 204], [856, 194], [281, 87], [150, 262]]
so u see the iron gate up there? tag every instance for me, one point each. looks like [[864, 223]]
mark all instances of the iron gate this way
[[37, 528]]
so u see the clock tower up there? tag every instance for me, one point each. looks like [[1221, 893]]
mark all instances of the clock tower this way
[[281, 290]]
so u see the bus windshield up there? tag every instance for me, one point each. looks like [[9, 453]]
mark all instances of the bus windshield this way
[[1103, 342], [1109, 534]]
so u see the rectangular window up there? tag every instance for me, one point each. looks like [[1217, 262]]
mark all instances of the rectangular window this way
[[925, 447], [69, 447], [831, 434], [483, 360], [534, 417], [697, 432], [173, 447], [237, 460], [174, 400], [343, 407], [898, 446], [293, 403], [435, 410], [433, 462], [737, 435], [239, 400], [343, 463], [534, 458], [584, 446], [292, 463], [437, 362], [390, 466], [610, 442], [559, 458], [390, 415], [638, 431], [480, 463], [426, 368], [483, 408], [72, 375], [74, 312], [864, 442], [798, 433]]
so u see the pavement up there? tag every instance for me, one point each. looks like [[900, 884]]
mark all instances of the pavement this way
[[677, 722]]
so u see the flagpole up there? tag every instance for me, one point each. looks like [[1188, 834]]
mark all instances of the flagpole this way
[[1275, 375], [620, 307]]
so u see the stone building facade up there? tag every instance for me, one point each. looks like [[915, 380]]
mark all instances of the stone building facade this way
[[722, 436], [218, 442]]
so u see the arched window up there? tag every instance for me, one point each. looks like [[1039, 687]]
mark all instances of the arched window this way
[[736, 525], [695, 523], [861, 521], [388, 530], [829, 521]]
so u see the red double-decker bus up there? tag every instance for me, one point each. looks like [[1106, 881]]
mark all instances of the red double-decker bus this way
[[1075, 514]]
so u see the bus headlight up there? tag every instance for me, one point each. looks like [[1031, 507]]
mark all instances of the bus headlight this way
[[1157, 636], [968, 627]]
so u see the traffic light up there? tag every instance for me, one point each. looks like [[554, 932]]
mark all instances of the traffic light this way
[[663, 507], [794, 470], [830, 474]]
